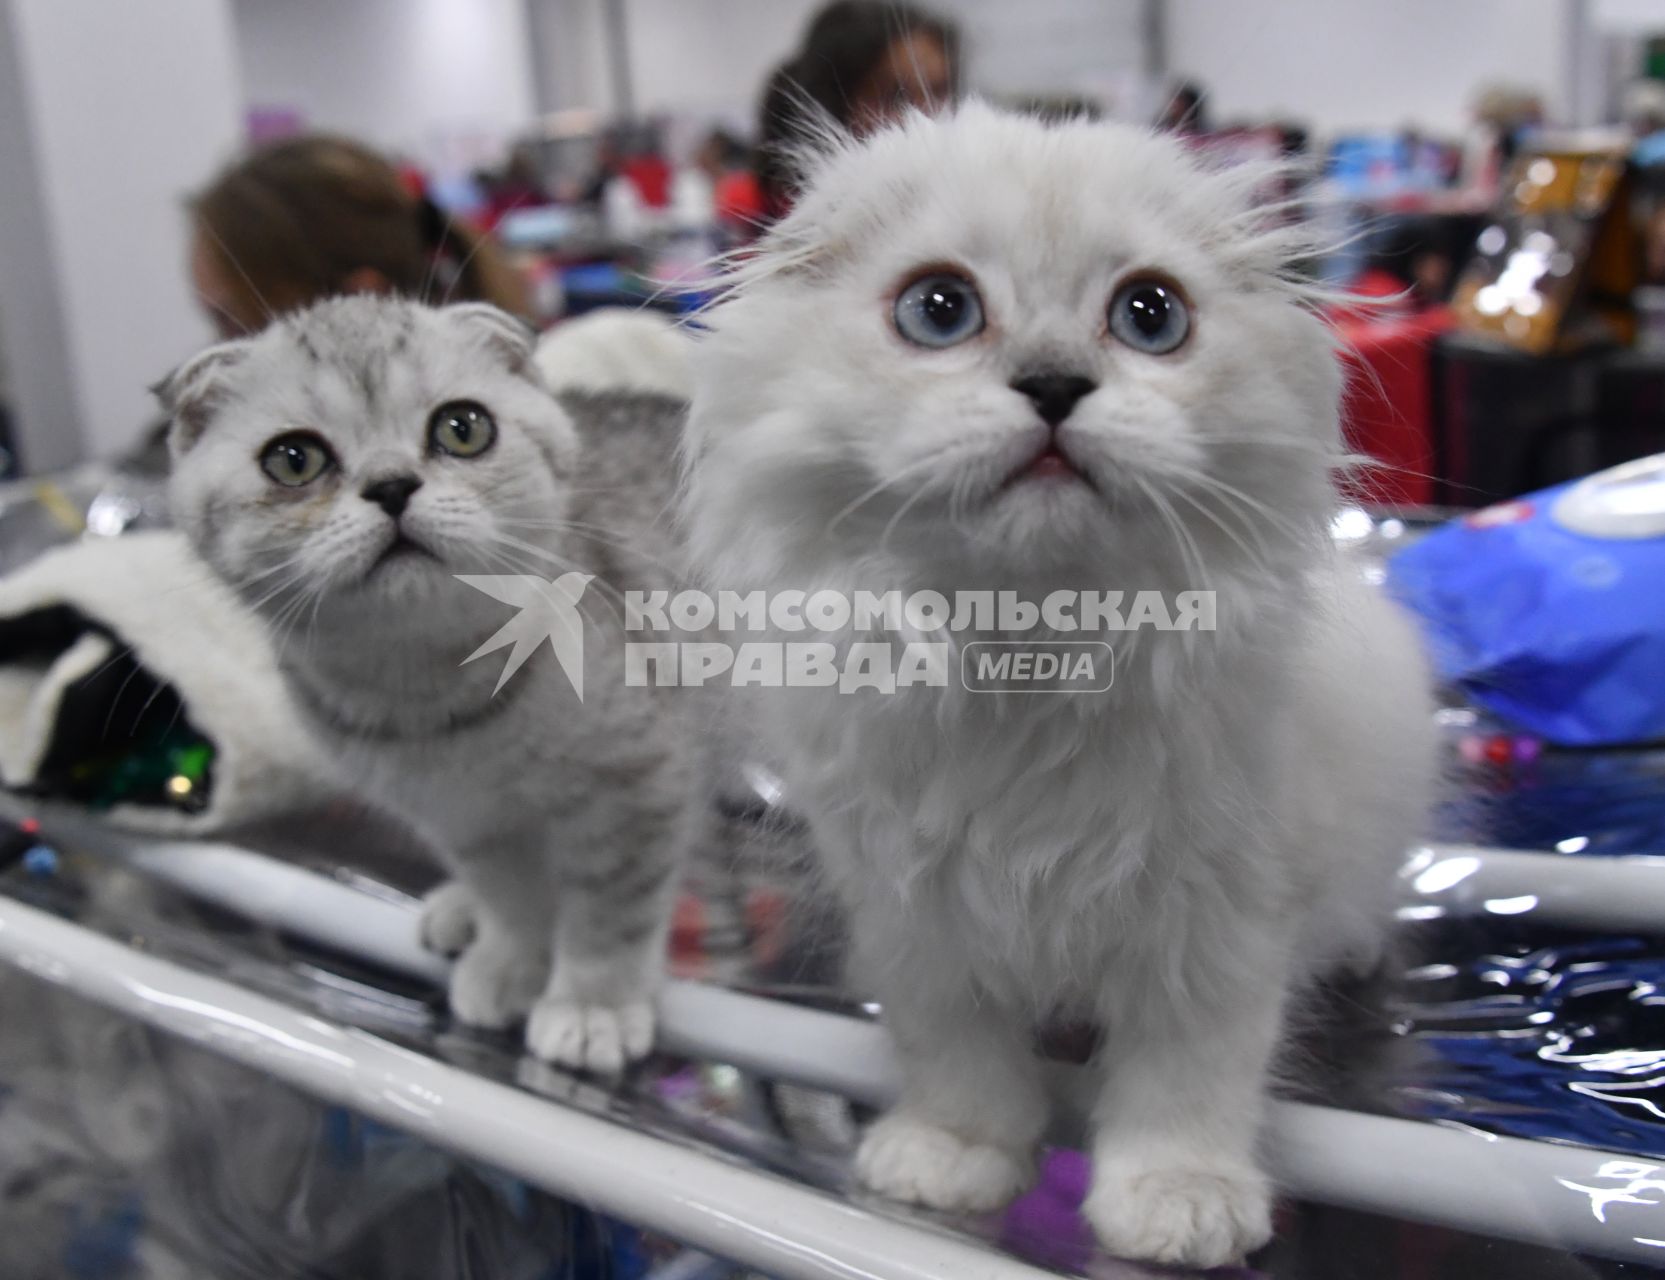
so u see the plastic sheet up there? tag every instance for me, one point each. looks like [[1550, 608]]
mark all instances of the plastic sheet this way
[[1549, 610], [322, 1182], [125, 1150]]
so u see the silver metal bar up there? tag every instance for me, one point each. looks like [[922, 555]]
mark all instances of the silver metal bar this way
[[1614, 894], [1581, 1199], [738, 1213]]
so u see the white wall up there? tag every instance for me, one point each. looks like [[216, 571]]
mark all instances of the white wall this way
[[444, 82], [1642, 17], [570, 66], [109, 115], [1051, 46], [713, 56], [706, 57], [1342, 64], [1337, 64], [35, 376], [709, 55]]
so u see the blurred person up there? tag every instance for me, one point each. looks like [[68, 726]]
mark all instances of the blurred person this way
[[631, 176], [1643, 112], [862, 64], [1186, 111], [1423, 162], [1417, 258], [1504, 116], [1644, 117], [635, 153], [726, 163], [609, 158], [1653, 243], [309, 217], [1291, 190], [650, 174], [315, 216], [518, 185], [1643, 107], [721, 154], [1294, 143], [1509, 114]]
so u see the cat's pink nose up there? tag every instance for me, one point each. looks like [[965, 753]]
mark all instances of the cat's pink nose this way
[[1054, 395], [391, 493]]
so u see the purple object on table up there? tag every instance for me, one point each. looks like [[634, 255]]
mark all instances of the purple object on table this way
[[1045, 1224]]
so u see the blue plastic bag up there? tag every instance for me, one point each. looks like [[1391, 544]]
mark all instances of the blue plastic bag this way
[[1550, 610]]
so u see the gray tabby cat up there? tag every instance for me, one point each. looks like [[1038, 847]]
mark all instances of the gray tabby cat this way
[[340, 470]]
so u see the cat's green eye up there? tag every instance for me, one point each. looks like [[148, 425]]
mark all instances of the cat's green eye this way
[[296, 458], [462, 429]]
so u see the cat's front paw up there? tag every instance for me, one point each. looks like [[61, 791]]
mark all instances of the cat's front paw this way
[[1197, 1215], [910, 1159], [492, 986], [590, 1037], [448, 920]]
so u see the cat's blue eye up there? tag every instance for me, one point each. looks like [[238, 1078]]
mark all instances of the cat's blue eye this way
[[939, 310], [296, 458], [1150, 316], [462, 429]]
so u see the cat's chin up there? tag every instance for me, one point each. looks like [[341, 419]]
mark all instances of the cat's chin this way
[[401, 577], [1045, 519], [403, 552]]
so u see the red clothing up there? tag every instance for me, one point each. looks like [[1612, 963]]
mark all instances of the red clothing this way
[[1387, 404], [505, 200], [651, 176], [739, 198], [1376, 283]]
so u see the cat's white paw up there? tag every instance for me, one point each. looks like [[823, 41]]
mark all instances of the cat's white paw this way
[[493, 986], [910, 1159], [1198, 1215], [448, 920], [590, 1037]]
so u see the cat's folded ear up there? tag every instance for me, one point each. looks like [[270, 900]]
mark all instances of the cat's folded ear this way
[[508, 336], [192, 392]]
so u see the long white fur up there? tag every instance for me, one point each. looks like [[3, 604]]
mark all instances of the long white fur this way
[[615, 349], [1174, 859]]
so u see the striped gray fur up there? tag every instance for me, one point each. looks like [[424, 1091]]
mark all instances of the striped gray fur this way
[[564, 819]]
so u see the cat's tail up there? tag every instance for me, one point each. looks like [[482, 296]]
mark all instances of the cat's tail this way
[[615, 349]]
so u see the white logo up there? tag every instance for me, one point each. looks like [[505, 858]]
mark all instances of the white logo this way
[[864, 658], [548, 611], [1037, 666]]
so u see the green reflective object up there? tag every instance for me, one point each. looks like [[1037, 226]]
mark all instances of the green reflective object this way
[[172, 767]]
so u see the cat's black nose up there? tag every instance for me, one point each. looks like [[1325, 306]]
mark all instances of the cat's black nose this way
[[391, 493], [1054, 395]]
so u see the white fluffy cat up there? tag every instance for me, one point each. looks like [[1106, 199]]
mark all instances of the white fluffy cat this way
[[983, 352], [340, 470]]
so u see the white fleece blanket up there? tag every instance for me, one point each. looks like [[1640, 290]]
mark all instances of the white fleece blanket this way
[[67, 616]]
